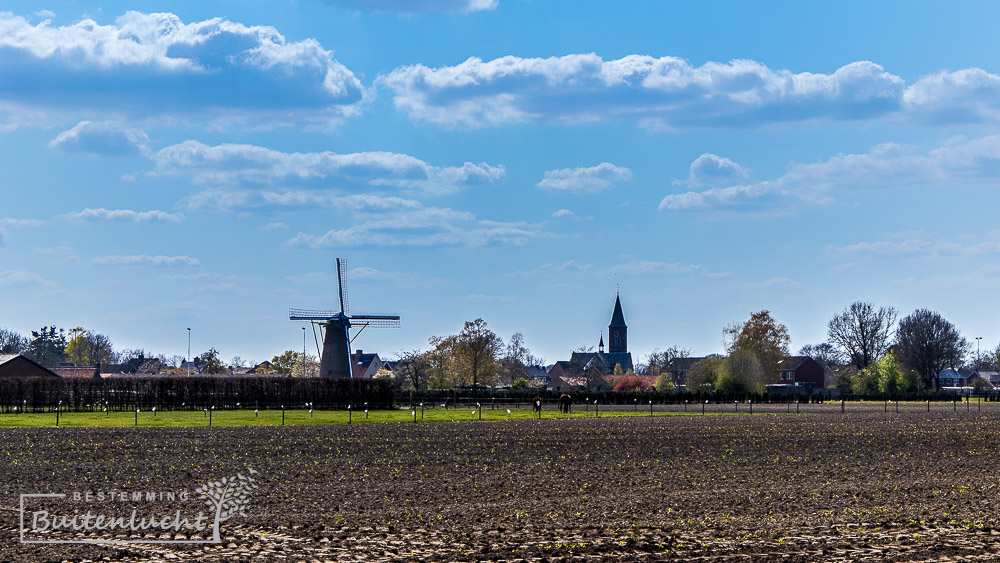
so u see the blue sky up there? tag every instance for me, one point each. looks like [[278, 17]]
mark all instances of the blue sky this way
[[174, 165]]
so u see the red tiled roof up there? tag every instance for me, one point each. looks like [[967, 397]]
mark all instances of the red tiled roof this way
[[74, 371]]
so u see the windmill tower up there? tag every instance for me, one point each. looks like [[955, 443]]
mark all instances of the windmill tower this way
[[335, 359]]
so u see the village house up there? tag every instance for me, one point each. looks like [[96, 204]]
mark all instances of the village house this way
[[801, 371], [365, 365], [18, 366]]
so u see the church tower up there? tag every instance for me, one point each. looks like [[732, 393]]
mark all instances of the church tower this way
[[617, 330]]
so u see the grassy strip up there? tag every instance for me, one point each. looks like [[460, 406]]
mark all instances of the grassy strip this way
[[298, 417]]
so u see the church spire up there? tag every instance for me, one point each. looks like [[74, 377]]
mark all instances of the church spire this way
[[618, 330], [600, 346], [617, 317]]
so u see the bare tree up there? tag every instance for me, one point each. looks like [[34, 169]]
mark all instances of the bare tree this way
[[662, 361], [825, 354], [413, 368], [862, 332], [12, 342], [516, 361], [928, 344]]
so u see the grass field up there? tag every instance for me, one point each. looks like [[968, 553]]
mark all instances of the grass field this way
[[303, 417], [298, 417]]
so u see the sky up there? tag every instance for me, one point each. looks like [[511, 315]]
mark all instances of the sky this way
[[202, 164]]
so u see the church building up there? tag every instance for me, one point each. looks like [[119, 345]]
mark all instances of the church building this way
[[587, 364]]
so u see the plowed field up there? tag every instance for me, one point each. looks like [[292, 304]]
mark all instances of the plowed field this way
[[830, 487]]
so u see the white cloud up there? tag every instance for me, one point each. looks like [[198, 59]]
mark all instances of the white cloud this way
[[775, 283], [236, 165], [274, 226], [155, 65], [713, 170], [960, 161], [666, 92], [102, 139], [141, 259], [430, 226], [229, 200], [21, 278], [970, 95], [101, 214], [12, 222], [415, 6], [914, 247], [653, 268], [563, 213], [584, 180], [669, 93]]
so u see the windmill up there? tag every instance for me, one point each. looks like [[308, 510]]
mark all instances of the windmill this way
[[335, 359]]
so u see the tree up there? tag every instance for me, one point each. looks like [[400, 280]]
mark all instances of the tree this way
[[663, 362], [12, 342], [47, 346], [743, 373], [516, 361], [825, 354], [862, 332], [311, 366], [413, 368], [210, 363], [629, 384], [928, 344], [890, 377], [763, 336], [664, 383], [285, 362], [440, 362], [704, 373], [476, 350], [86, 348]]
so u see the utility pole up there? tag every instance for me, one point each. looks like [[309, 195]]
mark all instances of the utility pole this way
[[189, 353], [303, 351]]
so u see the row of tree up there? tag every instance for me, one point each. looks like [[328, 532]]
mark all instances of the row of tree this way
[[475, 357], [51, 346], [869, 347]]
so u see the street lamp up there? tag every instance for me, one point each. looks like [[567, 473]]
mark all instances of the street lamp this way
[[189, 353]]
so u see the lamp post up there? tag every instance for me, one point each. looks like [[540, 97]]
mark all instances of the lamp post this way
[[303, 351], [979, 362], [189, 354]]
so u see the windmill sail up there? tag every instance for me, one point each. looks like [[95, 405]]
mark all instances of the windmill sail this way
[[335, 359]]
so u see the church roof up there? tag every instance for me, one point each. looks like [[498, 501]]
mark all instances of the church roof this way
[[618, 318]]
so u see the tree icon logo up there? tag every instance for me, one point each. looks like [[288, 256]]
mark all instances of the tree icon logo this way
[[229, 496]]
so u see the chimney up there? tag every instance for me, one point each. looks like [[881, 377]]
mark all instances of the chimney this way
[[359, 351]]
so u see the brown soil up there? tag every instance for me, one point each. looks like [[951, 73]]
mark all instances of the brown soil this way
[[908, 487]]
